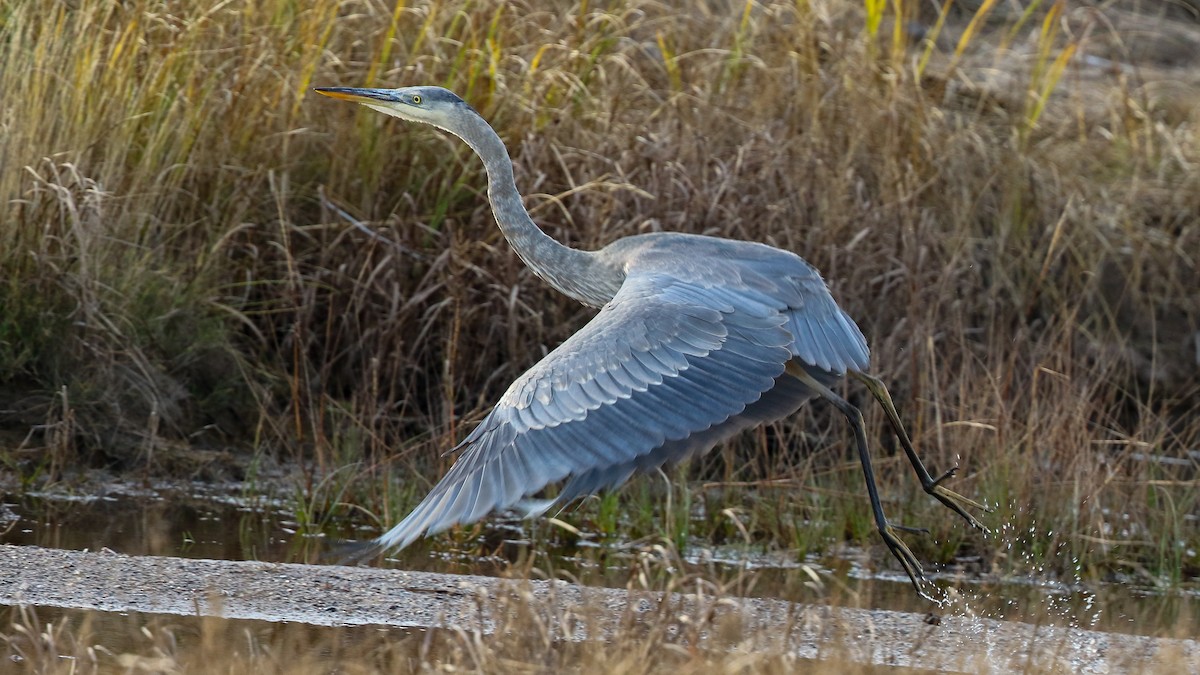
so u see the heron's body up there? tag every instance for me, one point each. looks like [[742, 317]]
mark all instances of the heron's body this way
[[679, 359], [697, 338]]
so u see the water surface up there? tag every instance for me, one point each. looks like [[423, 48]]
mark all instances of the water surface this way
[[200, 521]]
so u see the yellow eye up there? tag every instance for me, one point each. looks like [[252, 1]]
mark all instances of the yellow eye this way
[[416, 99]]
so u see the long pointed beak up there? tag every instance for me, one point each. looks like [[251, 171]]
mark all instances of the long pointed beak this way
[[357, 95]]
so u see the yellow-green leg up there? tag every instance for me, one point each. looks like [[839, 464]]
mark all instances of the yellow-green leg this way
[[954, 501], [886, 530]]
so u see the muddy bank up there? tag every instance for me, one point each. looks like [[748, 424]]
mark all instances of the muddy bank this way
[[333, 596]]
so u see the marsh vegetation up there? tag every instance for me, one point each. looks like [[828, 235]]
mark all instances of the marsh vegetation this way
[[1003, 194]]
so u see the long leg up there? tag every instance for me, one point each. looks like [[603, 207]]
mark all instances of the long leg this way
[[933, 486], [854, 416]]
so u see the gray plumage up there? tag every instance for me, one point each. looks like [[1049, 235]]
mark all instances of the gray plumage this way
[[697, 338]]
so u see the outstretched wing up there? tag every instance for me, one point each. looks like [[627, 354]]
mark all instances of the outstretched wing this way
[[665, 360]]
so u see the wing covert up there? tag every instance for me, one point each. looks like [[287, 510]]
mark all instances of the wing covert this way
[[824, 335]]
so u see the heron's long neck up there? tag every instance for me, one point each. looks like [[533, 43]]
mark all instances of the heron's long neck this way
[[577, 274]]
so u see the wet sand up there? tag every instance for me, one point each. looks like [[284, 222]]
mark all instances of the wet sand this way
[[341, 596]]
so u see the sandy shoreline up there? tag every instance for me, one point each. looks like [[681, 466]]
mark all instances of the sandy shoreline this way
[[341, 596]]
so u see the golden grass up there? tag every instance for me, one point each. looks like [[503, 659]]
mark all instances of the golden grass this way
[[1013, 229], [524, 643]]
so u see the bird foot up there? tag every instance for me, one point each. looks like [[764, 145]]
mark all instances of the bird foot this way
[[912, 567], [954, 501]]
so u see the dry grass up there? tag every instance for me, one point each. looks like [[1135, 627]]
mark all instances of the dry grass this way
[[1013, 226], [525, 643]]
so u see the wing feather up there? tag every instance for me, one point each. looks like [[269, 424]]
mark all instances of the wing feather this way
[[546, 416], [552, 456], [670, 361], [823, 350], [477, 496], [625, 379], [824, 336], [609, 385], [516, 470], [640, 373], [577, 399], [591, 389]]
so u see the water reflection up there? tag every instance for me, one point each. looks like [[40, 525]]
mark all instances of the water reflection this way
[[180, 524]]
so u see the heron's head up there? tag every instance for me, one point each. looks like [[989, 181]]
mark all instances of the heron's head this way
[[431, 105]]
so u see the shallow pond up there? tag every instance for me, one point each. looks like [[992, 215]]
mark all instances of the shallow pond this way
[[201, 522]]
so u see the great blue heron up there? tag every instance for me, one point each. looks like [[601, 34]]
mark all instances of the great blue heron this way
[[697, 338]]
